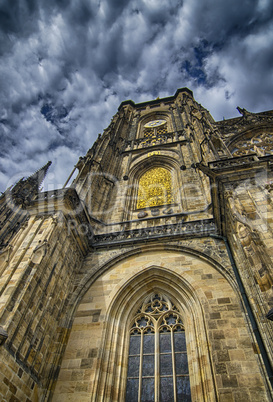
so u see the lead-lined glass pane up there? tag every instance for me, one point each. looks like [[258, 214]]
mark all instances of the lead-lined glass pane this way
[[148, 390], [166, 389], [166, 364], [148, 343], [148, 365], [132, 390], [165, 342], [133, 366], [179, 341], [183, 389], [181, 363], [134, 345], [171, 351]]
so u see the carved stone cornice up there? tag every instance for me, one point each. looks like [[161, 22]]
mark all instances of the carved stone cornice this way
[[167, 139], [232, 163], [248, 120], [180, 230]]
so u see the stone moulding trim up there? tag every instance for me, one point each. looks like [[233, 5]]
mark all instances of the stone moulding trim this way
[[249, 120], [97, 271], [247, 161], [199, 228], [156, 102], [168, 139]]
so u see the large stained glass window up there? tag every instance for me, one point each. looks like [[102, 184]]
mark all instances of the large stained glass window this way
[[155, 188], [157, 364]]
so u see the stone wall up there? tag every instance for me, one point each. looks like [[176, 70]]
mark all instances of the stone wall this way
[[86, 255], [37, 283], [223, 357]]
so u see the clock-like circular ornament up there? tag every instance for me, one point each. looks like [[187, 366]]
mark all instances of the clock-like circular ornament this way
[[154, 123]]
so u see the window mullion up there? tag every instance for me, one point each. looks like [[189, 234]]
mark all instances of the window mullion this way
[[157, 373], [160, 379], [140, 367], [173, 364]]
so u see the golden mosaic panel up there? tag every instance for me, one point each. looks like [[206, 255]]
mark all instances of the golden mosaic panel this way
[[155, 188]]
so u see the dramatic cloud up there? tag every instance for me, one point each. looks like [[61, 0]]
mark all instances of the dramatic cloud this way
[[66, 65]]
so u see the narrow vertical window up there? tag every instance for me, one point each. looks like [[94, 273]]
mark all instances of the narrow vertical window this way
[[157, 363]]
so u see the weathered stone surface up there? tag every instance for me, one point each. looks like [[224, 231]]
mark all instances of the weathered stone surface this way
[[76, 263]]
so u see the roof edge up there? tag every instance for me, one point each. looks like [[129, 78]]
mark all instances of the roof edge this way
[[155, 101]]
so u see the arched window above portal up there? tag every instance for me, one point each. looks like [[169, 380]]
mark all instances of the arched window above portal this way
[[154, 186]]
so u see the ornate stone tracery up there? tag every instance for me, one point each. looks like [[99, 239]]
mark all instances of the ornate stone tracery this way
[[260, 143], [157, 310]]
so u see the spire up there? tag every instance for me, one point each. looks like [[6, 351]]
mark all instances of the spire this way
[[28, 187], [38, 177]]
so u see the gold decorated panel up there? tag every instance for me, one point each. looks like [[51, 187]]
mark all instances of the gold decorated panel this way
[[155, 188]]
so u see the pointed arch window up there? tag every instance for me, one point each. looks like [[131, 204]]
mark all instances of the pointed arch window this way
[[157, 364], [155, 188]]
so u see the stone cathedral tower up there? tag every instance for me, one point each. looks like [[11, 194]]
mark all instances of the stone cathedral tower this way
[[149, 278]]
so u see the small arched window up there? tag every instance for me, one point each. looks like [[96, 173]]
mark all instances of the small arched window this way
[[155, 188], [154, 129], [157, 365]]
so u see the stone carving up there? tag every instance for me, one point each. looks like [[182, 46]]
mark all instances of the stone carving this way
[[233, 162], [261, 273], [245, 113], [142, 214], [3, 336], [39, 252], [260, 144], [151, 141], [236, 208], [239, 123], [167, 211], [181, 229], [247, 236], [5, 254]]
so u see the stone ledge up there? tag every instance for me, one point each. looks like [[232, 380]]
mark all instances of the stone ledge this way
[[182, 230]]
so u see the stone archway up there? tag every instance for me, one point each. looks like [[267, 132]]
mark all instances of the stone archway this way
[[112, 366], [95, 362]]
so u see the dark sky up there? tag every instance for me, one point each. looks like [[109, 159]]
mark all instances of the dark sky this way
[[66, 65]]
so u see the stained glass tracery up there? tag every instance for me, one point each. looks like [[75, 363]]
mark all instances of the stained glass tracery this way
[[155, 188], [157, 364], [261, 143]]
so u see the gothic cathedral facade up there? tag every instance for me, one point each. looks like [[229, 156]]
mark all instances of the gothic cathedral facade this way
[[149, 277]]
